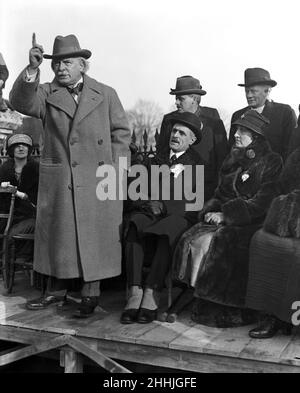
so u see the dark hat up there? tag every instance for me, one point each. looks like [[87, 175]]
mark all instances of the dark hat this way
[[253, 121], [187, 85], [17, 139], [257, 76], [67, 46], [189, 120]]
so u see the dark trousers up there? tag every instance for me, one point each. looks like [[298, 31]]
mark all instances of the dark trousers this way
[[147, 251]]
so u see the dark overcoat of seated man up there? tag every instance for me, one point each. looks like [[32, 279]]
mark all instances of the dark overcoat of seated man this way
[[154, 226]]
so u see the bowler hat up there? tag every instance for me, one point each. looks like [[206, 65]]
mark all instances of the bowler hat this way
[[187, 85], [189, 120], [17, 139], [257, 76], [67, 46], [253, 121]]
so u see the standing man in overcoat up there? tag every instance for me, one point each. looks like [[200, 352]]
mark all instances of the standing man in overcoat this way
[[258, 85], [85, 127]]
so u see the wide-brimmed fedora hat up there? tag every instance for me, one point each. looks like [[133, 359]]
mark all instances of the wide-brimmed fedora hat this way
[[257, 76], [67, 46], [189, 120], [17, 139], [187, 85], [253, 121]]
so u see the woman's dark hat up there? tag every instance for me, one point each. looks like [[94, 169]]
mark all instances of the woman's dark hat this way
[[257, 76], [17, 139], [67, 46], [253, 121], [187, 85], [189, 120]]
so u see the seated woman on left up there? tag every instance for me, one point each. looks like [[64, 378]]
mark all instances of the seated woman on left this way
[[22, 172]]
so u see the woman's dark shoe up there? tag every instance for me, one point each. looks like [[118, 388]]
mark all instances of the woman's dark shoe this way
[[183, 300], [86, 307], [129, 316], [270, 327], [146, 316]]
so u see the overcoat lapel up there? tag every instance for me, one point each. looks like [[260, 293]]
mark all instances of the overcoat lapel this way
[[62, 99], [90, 98], [267, 109]]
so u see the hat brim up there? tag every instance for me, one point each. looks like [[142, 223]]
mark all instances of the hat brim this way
[[85, 53], [200, 92], [192, 126], [249, 126], [270, 82]]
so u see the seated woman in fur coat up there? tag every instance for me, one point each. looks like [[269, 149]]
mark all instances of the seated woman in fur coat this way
[[274, 268], [212, 256], [22, 172]]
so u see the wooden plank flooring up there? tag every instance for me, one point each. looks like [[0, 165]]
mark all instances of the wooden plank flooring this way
[[184, 344]]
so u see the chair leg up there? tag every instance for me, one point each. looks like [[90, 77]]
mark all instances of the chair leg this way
[[5, 263], [12, 267], [170, 289]]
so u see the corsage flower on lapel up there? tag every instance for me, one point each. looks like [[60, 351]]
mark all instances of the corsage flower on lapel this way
[[245, 176], [177, 169]]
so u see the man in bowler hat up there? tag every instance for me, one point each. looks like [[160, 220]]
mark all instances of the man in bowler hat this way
[[85, 126], [258, 85], [213, 147]]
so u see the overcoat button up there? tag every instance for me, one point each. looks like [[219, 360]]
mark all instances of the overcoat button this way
[[101, 163], [70, 187], [73, 141], [100, 141], [74, 163]]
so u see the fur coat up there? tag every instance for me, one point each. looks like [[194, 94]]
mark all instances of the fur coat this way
[[283, 218], [247, 185]]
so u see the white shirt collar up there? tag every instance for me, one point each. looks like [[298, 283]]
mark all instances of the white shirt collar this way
[[178, 154]]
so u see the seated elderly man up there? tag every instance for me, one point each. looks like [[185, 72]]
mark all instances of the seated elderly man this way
[[160, 223], [212, 256]]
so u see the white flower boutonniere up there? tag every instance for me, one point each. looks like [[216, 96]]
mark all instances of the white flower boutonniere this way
[[177, 169], [245, 177]]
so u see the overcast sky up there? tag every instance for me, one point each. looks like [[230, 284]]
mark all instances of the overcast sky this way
[[139, 47]]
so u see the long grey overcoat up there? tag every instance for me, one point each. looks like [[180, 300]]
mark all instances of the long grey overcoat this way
[[77, 235]]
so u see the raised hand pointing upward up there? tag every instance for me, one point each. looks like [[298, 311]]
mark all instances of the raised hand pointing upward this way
[[35, 55]]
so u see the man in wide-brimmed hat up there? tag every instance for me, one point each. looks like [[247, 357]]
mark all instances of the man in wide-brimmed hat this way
[[213, 147], [85, 127], [153, 226], [258, 85]]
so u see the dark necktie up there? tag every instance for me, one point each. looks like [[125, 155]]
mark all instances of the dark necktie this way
[[76, 90], [172, 159]]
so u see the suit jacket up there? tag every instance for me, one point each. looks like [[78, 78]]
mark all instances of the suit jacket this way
[[212, 149], [73, 226], [174, 219], [282, 123]]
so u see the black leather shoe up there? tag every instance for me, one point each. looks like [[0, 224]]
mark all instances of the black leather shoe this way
[[42, 302], [146, 316], [129, 316], [269, 328], [86, 307]]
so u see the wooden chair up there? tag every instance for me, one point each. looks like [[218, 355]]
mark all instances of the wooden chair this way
[[27, 266], [4, 266]]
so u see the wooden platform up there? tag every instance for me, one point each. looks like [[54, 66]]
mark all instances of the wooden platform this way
[[182, 345]]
